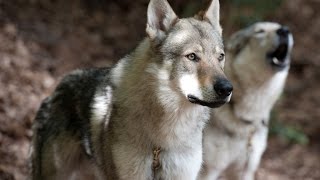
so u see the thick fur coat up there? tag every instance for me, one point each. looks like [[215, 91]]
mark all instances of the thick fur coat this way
[[107, 123]]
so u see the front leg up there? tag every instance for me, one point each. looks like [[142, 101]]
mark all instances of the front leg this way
[[246, 170], [218, 153], [259, 144]]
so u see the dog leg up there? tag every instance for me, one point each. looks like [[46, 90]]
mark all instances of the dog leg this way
[[210, 173], [259, 143]]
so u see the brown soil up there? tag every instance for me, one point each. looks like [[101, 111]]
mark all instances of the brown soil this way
[[41, 41]]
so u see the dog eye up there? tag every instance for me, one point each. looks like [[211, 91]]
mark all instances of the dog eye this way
[[193, 57], [221, 57]]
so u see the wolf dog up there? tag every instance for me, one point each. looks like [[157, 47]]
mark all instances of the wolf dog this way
[[236, 136], [143, 118]]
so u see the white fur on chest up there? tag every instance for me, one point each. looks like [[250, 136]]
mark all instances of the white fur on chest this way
[[183, 128], [258, 101], [180, 165]]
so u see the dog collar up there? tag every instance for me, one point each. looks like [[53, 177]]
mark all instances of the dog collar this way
[[156, 161]]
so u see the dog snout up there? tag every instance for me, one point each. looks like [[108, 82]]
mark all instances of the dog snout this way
[[283, 31], [223, 88]]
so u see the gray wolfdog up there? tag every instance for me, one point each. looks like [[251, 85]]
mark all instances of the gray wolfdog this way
[[143, 118], [236, 137]]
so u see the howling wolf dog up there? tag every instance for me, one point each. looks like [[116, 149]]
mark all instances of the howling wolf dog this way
[[143, 118], [236, 136]]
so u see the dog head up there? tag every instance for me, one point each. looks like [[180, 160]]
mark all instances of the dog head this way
[[189, 54], [264, 45]]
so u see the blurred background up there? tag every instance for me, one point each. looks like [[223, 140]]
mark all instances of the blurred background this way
[[41, 40]]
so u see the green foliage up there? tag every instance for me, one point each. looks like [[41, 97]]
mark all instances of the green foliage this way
[[264, 5], [239, 12], [247, 12], [288, 133], [191, 8]]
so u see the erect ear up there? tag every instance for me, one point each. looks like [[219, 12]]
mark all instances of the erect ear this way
[[238, 41], [212, 15], [160, 18]]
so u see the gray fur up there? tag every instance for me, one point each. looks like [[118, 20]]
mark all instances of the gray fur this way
[[105, 123]]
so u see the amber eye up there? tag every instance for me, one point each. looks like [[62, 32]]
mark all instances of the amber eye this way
[[193, 57], [221, 57]]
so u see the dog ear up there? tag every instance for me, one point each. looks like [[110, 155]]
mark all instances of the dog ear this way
[[160, 18], [238, 41], [212, 15]]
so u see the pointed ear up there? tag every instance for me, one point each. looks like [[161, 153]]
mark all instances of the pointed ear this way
[[238, 41], [212, 15], [160, 18]]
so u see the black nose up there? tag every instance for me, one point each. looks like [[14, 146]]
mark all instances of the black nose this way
[[223, 88], [283, 31]]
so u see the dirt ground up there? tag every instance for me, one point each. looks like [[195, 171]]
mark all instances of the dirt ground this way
[[40, 41]]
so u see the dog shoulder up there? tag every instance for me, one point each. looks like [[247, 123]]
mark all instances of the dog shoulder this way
[[70, 106]]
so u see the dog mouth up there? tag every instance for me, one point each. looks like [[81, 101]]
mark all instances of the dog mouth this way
[[278, 57], [214, 104]]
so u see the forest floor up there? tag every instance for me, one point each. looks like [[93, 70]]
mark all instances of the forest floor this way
[[41, 41]]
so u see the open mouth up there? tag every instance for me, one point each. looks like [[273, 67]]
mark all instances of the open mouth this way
[[214, 104], [278, 58]]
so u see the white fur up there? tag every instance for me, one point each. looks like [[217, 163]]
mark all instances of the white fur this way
[[100, 106], [117, 71], [189, 85], [77, 72], [87, 147], [181, 37], [187, 170], [291, 42], [218, 49], [108, 103], [259, 102]]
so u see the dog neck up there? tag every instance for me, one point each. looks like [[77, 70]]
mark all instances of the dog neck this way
[[255, 101]]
